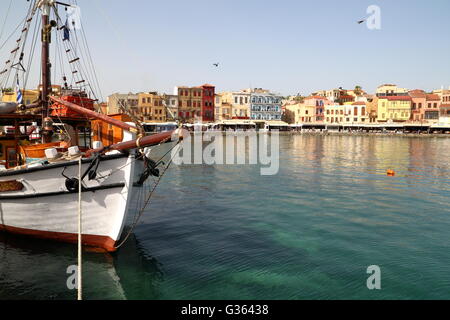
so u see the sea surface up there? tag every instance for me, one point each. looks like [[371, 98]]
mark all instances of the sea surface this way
[[309, 232]]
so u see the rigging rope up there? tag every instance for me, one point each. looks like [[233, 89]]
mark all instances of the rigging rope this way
[[6, 19], [21, 42], [149, 196]]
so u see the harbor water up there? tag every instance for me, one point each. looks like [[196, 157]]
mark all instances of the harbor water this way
[[309, 232]]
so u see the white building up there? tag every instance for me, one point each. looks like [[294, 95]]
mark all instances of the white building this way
[[355, 113], [265, 105]]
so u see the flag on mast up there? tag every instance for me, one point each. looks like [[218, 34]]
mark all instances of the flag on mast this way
[[66, 31], [19, 98]]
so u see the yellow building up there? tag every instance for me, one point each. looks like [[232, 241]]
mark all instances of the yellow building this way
[[239, 102], [151, 107], [394, 109], [223, 109], [299, 113], [29, 96]]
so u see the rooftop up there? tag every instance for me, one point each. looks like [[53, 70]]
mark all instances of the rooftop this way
[[397, 98]]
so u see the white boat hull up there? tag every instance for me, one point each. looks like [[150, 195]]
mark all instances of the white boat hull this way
[[7, 107], [45, 208]]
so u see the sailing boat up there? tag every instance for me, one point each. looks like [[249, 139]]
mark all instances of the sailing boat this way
[[39, 185]]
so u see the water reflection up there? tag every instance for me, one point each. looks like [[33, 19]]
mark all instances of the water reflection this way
[[36, 269]]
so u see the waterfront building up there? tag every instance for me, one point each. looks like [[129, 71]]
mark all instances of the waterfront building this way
[[171, 104], [387, 90], [190, 104], [208, 100], [425, 107], [394, 108], [432, 106], [444, 109], [239, 102], [222, 109], [319, 103], [299, 113], [151, 107], [350, 113], [265, 105], [337, 113], [29, 96], [359, 112], [117, 101], [419, 100]]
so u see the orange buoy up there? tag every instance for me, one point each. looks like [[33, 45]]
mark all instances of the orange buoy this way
[[391, 173]]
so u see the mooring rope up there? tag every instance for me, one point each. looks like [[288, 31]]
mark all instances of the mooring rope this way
[[147, 201], [80, 294]]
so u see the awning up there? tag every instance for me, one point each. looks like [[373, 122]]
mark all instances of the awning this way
[[277, 124]]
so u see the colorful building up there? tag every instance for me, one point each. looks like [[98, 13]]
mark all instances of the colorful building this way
[[265, 105], [29, 96], [299, 113], [444, 109], [151, 107], [239, 102], [419, 100], [208, 97], [190, 103], [222, 109], [337, 113], [350, 113], [394, 108], [319, 103]]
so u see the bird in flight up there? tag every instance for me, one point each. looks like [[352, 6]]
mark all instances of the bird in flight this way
[[216, 65], [361, 21]]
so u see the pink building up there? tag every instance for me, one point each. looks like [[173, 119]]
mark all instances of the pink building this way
[[425, 107], [419, 99], [319, 103], [431, 112]]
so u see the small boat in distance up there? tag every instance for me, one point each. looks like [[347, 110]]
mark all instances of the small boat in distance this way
[[158, 127]]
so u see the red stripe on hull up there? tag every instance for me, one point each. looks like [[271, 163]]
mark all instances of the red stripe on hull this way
[[103, 242]]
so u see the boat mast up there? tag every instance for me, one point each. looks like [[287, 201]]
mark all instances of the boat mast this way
[[47, 25]]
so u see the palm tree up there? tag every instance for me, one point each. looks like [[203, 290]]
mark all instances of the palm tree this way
[[358, 90]]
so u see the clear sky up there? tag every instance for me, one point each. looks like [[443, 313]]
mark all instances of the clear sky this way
[[289, 46]]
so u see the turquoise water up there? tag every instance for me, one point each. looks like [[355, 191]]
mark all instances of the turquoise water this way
[[310, 232]]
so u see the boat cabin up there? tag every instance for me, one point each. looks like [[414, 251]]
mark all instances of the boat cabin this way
[[20, 138]]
